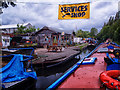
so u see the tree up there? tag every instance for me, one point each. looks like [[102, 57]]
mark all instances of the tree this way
[[116, 36], [93, 32], [111, 21], [30, 29], [73, 33], [6, 3], [117, 16], [83, 34], [104, 33], [38, 28], [111, 30], [21, 29], [86, 34], [79, 33]]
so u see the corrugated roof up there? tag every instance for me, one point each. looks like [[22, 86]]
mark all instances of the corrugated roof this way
[[12, 26]]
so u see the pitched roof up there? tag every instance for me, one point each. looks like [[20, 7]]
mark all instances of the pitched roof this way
[[60, 30], [12, 26], [56, 30]]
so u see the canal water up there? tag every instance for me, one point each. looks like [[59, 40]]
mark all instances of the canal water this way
[[47, 76]]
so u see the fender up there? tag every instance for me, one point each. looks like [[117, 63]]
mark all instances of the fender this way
[[107, 79]]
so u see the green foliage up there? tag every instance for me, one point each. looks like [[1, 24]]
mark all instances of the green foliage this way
[[117, 34], [93, 32], [38, 28], [83, 45], [79, 33], [30, 29], [110, 30], [111, 21], [22, 29], [83, 34], [104, 33]]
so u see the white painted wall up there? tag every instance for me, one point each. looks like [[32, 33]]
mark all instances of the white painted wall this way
[[77, 40], [5, 40], [26, 37]]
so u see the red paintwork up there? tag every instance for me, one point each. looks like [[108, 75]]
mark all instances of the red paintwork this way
[[87, 76]]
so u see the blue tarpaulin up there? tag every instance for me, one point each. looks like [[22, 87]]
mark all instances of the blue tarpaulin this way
[[110, 47], [14, 70], [114, 60], [113, 67]]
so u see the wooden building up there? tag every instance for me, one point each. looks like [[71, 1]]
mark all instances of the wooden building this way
[[48, 36]]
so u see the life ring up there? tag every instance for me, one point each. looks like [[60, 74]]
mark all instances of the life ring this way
[[107, 79]]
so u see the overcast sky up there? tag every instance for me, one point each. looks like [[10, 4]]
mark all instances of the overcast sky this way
[[45, 13]]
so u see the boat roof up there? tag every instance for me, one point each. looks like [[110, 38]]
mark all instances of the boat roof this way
[[86, 76]]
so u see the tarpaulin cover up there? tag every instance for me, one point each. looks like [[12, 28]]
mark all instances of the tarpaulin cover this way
[[110, 47], [14, 70], [113, 67], [114, 60]]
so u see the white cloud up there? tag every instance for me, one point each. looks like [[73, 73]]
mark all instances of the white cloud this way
[[46, 14]]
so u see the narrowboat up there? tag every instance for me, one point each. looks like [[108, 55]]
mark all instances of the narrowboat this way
[[93, 72], [17, 72], [91, 42]]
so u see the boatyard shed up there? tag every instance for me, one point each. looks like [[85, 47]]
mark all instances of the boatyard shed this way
[[48, 36]]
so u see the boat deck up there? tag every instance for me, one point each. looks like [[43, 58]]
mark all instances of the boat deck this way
[[25, 83], [87, 76], [54, 57], [7, 85]]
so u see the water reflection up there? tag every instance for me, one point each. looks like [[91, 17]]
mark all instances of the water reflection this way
[[43, 82], [84, 53]]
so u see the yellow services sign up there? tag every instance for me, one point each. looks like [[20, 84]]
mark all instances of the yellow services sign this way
[[74, 11]]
